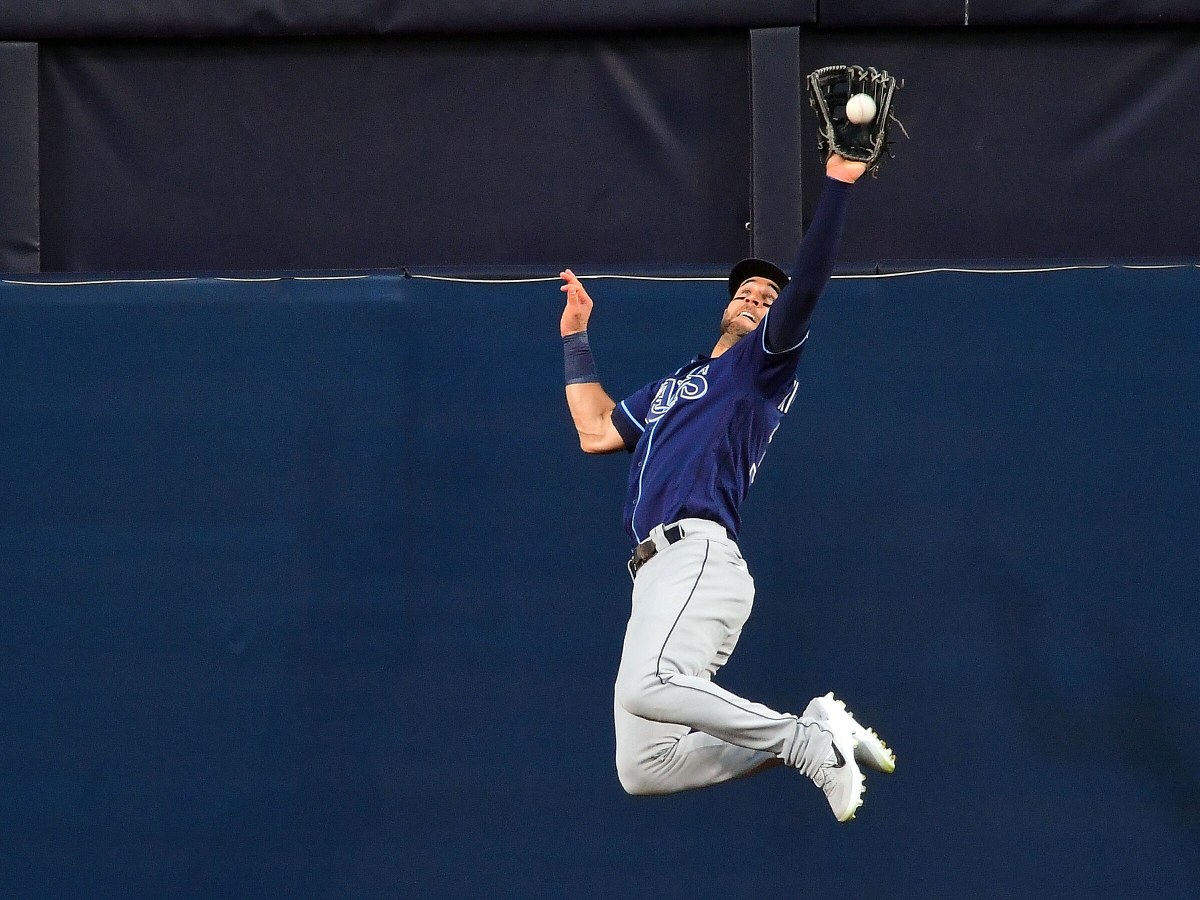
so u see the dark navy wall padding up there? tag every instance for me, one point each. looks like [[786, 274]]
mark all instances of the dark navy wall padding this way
[[308, 591], [547, 151], [19, 222], [997, 167], [83, 19], [615, 151]]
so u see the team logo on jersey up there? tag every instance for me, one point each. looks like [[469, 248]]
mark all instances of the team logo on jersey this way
[[672, 390]]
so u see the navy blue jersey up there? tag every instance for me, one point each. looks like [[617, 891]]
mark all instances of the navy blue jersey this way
[[698, 436]]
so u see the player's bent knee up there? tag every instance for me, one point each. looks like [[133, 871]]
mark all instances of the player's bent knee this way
[[634, 783], [636, 780]]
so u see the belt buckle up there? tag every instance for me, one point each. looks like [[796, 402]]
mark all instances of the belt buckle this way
[[642, 554]]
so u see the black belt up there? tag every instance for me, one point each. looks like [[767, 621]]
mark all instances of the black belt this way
[[644, 552]]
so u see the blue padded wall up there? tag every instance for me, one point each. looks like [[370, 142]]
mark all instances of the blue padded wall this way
[[308, 591]]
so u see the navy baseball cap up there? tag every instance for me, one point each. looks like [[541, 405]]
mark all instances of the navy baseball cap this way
[[751, 268]]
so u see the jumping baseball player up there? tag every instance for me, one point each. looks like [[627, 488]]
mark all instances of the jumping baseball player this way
[[697, 438]]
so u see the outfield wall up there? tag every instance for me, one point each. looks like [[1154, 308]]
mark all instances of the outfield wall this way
[[308, 591]]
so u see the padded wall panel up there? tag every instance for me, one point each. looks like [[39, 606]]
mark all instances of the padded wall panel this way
[[998, 166], [308, 591], [20, 242], [81, 19], [551, 151]]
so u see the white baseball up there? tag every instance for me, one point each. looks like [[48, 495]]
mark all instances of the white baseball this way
[[860, 109]]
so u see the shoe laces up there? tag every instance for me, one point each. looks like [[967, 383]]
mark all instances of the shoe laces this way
[[825, 774]]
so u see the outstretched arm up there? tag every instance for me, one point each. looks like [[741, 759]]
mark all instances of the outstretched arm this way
[[591, 407], [788, 322]]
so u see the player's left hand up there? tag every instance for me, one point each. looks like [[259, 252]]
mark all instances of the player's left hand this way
[[579, 305]]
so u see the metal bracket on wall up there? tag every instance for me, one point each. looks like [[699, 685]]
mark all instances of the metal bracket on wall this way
[[20, 225], [777, 103]]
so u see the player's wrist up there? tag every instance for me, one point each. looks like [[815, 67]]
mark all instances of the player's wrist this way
[[578, 365], [843, 171]]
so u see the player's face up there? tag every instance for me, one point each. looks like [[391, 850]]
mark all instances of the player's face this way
[[748, 306]]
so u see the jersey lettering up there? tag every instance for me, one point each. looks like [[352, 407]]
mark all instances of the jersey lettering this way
[[786, 403], [770, 437], [673, 389]]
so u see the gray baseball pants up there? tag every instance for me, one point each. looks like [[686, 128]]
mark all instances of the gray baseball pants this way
[[675, 729]]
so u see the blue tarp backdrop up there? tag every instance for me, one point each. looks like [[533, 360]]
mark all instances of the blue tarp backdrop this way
[[308, 591], [646, 151], [380, 154]]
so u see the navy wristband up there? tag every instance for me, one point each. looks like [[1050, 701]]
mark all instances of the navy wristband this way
[[579, 367]]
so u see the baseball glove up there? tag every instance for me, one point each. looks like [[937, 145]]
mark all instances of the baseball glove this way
[[830, 89]]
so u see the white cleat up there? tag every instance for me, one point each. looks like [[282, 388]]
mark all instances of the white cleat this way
[[839, 776], [869, 748]]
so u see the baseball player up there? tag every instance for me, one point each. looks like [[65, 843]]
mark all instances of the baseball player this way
[[697, 438]]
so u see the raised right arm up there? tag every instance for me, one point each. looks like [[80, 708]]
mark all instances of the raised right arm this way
[[591, 407], [788, 323]]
